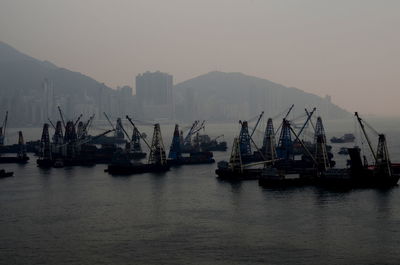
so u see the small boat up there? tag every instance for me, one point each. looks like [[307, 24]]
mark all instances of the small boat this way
[[347, 138], [4, 174], [58, 163], [343, 151]]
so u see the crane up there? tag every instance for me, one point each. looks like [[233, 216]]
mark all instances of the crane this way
[[258, 121], [135, 128], [62, 117], [3, 130]]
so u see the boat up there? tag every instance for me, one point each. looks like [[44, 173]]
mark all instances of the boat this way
[[382, 174], [134, 147], [227, 172], [347, 138], [21, 157], [213, 145], [31, 147], [44, 163], [295, 173], [135, 168], [274, 177], [13, 159], [343, 151], [122, 164], [5, 174], [197, 156], [288, 172], [58, 163], [107, 140], [235, 169], [360, 175], [72, 148]]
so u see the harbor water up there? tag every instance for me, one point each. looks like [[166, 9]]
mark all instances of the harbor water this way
[[82, 215]]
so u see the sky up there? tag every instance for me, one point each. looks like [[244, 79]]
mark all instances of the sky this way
[[349, 49]]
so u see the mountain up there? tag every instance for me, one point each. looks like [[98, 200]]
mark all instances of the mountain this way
[[31, 90], [220, 96]]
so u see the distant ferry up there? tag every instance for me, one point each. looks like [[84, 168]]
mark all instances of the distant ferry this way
[[347, 138]]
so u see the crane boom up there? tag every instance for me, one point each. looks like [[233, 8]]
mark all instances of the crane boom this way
[[77, 120], [258, 121], [219, 136], [135, 128], [287, 114], [51, 123], [127, 135], [302, 144], [360, 121], [61, 115], [5, 123], [191, 130], [309, 115], [89, 140], [109, 121]]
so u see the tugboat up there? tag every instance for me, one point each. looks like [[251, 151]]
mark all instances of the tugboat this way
[[383, 174], [157, 162]]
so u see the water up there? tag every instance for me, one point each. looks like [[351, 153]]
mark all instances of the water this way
[[186, 216]]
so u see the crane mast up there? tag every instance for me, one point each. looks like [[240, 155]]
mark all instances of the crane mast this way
[[360, 121]]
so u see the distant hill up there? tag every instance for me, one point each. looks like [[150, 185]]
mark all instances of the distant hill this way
[[31, 90], [223, 96]]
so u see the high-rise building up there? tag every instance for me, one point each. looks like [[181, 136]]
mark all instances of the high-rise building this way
[[155, 96]]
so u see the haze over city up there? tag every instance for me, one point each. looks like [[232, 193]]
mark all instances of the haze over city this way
[[346, 49]]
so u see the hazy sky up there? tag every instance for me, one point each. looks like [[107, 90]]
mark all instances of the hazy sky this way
[[349, 49]]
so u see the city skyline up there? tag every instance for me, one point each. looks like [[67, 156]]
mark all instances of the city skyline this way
[[39, 87]]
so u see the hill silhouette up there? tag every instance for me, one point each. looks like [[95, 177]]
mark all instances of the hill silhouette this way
[[31, 90], [224, 96], [30, 101]]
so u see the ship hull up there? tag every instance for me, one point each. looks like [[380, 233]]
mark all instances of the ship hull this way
[[245, 174], [131, 169], [16, 160]]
